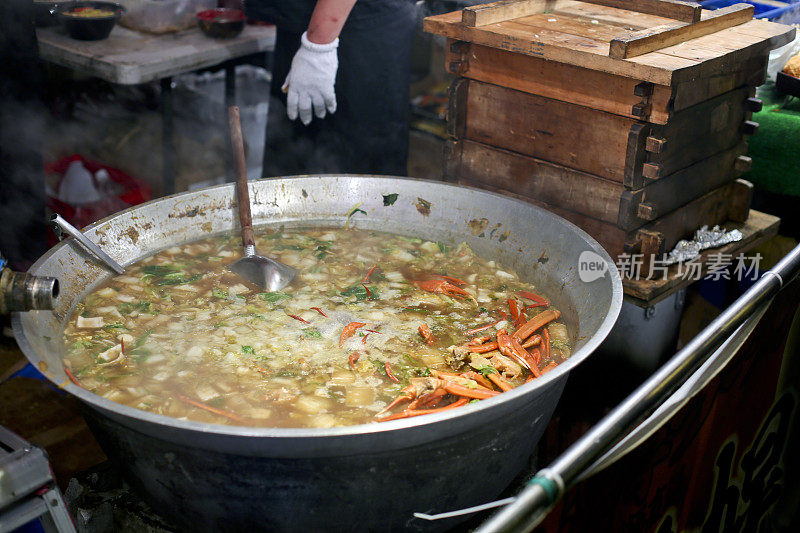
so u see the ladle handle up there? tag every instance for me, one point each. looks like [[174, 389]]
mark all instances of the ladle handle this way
[[242, 192]]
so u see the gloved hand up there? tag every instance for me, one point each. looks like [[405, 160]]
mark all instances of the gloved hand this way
[[310, 80]]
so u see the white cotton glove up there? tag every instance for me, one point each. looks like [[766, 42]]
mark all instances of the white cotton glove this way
[[310, 80]]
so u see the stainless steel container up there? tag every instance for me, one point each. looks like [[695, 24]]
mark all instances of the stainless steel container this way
[[369, 477]]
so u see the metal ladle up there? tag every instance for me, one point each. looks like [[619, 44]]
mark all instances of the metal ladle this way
[[263, 272]]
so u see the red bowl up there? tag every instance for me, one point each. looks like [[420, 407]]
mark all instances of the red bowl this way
[[221, 23]]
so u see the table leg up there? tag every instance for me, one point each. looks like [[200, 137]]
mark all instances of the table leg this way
[[167, 138]]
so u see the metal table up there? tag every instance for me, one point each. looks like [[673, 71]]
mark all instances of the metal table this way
[[27, 489], [130, 57]]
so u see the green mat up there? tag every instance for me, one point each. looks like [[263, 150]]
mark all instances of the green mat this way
[[775, 149]]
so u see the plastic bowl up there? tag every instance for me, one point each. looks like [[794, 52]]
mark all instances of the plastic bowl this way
[[89, 28], [221, 23]]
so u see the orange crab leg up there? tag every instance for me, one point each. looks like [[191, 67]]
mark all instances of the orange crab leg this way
[[478, 378], [352, 359], [545, 343], [535, 323], [483, 348], [507, 348], [460, 390], [210, 409], [427, 399], [535, 340], [388, 369], [512, 306], [540, 300], [410, 412], [537, 358], [550, 366], [350, 330], [482, 328], [477, 341], [425, 331], [474, 376], [443, 287], [502, 384], [451, 279], [407, 394]]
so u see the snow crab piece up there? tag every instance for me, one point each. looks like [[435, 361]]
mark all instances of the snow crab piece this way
[[442, 286], [509, 367], [419, 387]]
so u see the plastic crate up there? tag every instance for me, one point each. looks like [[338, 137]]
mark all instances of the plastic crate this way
[[762, 10]]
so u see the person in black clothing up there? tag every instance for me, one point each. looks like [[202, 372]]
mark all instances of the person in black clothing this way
[[338, 106], [22, 193]]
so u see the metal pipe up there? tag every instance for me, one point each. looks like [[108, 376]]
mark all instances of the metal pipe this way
[[20, 291], [548, 486]]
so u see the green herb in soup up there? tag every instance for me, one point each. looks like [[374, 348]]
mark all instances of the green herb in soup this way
[[375, 327]]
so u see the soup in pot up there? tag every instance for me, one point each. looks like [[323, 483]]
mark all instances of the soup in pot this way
[[375, 327]]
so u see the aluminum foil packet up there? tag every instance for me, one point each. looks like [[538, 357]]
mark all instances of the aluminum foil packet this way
[[703, 239]]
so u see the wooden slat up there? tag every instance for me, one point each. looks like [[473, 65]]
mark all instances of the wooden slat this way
[[714, 58], [673, 9], [751, 72], [571, 25], [547, 182], [656, 68], [566, 134], [671, 192], [699, 131], [553, 37], [711, 208], [630, 20], [644, 41], [604, 144], [561, 81], [493, 12], [587, 194]]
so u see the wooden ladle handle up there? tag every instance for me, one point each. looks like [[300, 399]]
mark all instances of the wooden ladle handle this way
[[242, 192]]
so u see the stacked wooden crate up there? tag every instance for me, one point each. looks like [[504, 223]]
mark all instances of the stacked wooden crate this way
[[628, 118]]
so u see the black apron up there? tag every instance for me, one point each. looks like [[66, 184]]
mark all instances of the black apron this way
[[368, 134]]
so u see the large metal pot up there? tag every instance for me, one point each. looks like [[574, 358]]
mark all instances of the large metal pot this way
[[366, 477]]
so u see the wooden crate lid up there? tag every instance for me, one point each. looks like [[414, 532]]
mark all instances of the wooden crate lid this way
[[660, 41]]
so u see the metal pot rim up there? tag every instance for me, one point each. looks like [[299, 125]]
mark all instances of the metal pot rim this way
[[342, 431]]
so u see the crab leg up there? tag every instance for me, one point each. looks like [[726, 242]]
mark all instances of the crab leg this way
[[210, 409], [350, 330], [478, 378], [471, 374], [451, 279], [476, 394], [535, 340], [501, 383], [510, 347], [535, 323], [425, 331], [410, 412], [545, 343], [483, 348], [540, 300]]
